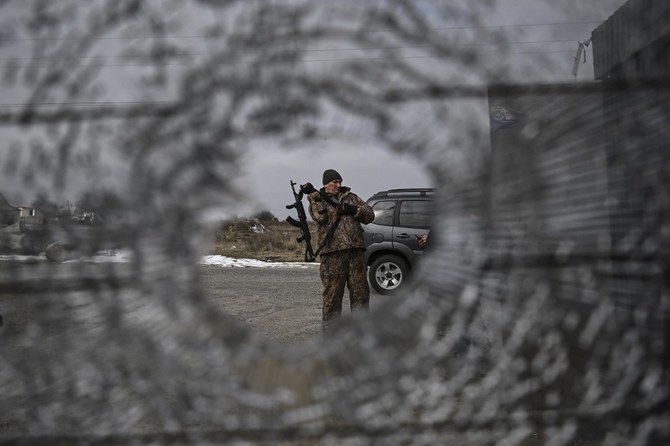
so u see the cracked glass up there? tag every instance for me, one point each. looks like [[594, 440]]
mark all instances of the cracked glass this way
[[539, 316]]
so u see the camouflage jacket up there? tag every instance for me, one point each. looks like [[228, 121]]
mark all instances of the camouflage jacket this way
[[349, 233]]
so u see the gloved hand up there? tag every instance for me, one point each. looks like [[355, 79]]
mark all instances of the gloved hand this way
[[346, 209], [307, 188]]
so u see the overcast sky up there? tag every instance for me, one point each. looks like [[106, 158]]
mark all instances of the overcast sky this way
[[366, 165], [366, 168]]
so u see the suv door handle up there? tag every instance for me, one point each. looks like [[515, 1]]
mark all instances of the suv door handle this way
[[403, 235]]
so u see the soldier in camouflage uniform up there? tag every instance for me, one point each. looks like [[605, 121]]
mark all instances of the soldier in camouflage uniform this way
[[342, 248]]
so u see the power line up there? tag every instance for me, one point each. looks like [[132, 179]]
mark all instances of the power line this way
[[307, 50], [343, 59], [125, 109], [88, 104], [219, 35], [521, 25]]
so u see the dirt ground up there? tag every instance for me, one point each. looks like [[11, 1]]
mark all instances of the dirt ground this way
[[282, 304]]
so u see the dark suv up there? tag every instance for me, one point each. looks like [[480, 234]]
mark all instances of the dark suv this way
[[401, 216]]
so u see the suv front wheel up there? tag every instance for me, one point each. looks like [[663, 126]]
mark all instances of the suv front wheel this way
[[387, 274]]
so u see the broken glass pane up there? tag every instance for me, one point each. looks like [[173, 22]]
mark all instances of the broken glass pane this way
[[539, 315]]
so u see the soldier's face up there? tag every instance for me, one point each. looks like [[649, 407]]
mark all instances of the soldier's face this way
[[333, 187]]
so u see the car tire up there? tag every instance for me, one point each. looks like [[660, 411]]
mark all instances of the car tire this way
[[388, 274]]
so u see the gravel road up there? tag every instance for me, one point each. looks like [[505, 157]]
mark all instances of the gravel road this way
[[282, 304]]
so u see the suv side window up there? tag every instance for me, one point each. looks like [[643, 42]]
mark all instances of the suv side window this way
[[384, 211], [415, 213]]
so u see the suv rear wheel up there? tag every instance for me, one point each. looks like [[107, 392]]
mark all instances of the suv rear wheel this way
[[388, 273]]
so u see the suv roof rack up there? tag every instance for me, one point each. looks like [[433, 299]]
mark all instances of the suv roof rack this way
[[416, 192]]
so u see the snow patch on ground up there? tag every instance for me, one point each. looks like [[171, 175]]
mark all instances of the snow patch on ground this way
[[121, 256], [245, 263]]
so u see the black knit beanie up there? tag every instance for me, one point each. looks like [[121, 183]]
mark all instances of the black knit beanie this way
[[330, 175]]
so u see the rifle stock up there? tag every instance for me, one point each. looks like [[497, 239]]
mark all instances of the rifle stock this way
[[301, 223]]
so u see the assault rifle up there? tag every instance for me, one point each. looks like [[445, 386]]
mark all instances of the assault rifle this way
[[301, 223]]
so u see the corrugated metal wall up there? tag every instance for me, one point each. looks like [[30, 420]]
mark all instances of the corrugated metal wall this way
[[577, 185], [634, 41]]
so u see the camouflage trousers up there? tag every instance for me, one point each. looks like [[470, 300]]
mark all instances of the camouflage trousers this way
[[338, 269]]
